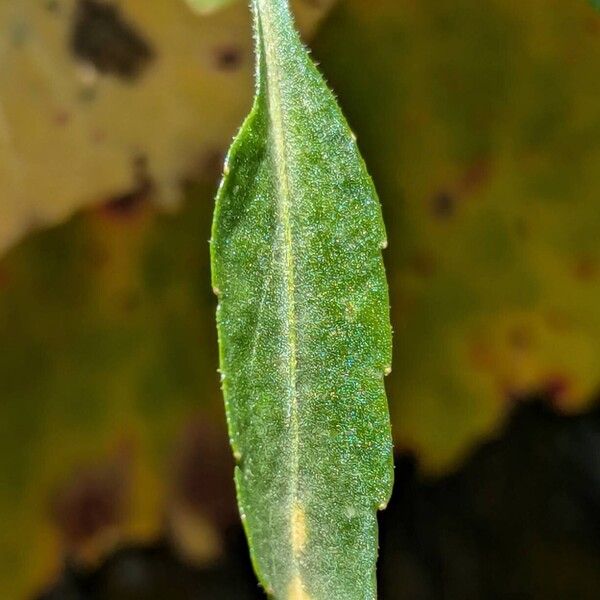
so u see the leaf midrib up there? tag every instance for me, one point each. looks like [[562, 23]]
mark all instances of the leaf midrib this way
[[279, 155]]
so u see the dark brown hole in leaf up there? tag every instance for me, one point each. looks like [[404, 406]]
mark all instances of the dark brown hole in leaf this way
[[100, 36]]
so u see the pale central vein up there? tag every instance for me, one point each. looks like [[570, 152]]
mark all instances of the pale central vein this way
[[279, 150]]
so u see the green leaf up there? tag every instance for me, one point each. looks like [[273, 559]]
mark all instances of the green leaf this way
[[206, 6], [304, 329]]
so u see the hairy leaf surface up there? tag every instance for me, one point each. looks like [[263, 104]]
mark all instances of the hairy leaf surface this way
[[304, 329]]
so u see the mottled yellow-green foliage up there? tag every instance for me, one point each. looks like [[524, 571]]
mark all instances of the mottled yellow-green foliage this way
[[148, 80], [109, 352], [480, 124]]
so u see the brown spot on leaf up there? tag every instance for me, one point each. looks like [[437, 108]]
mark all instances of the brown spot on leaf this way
[[557, 388], [91, 502], [62, 118], [130, 204], [423, 264], [228, 58], [587, 268], [4, 277], [126, 205], [592, 25], [98, 136], [481, 355], [520, 337], [443, 205], [476, 175]]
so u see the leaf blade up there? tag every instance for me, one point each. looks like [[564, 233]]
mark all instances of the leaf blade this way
[[304, 329]]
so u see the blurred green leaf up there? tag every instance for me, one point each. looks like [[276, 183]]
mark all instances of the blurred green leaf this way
[[304, 329], [484, 150], [102, 324]]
